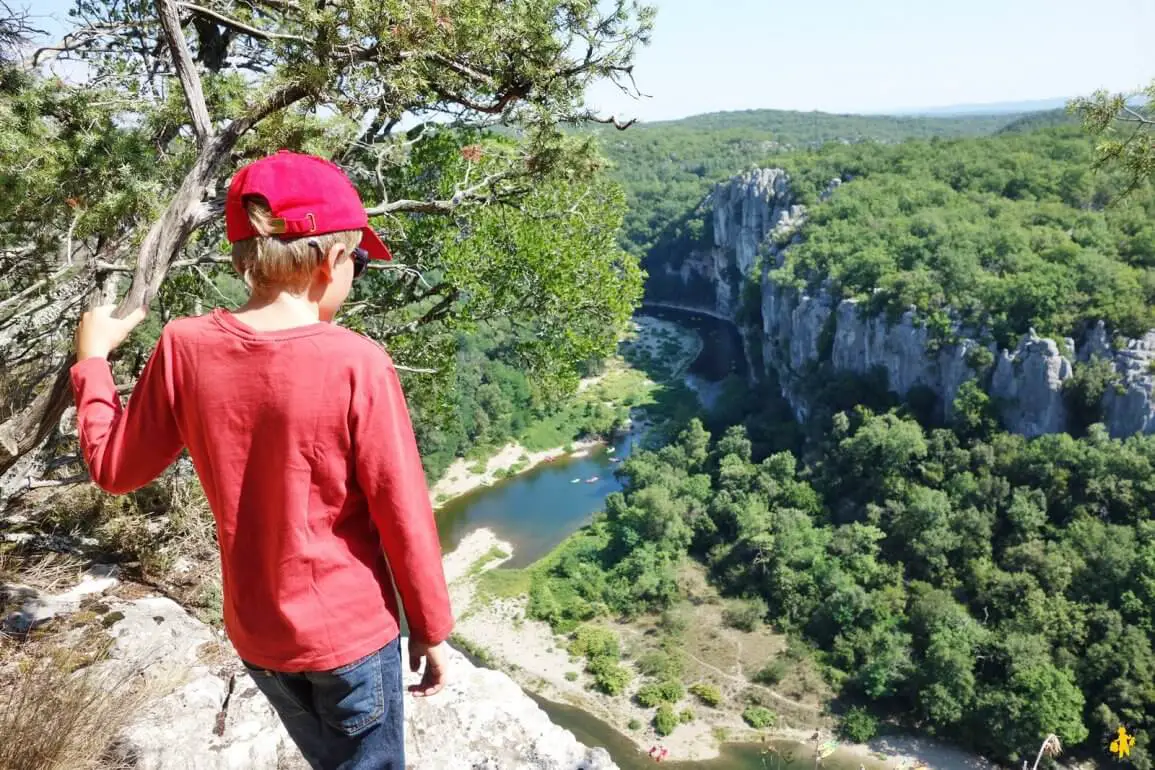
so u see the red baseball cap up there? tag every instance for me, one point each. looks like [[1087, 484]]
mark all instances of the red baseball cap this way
[[308, 196]]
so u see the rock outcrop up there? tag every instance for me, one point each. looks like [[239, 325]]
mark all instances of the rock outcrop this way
[[206, 713], [755, 217]]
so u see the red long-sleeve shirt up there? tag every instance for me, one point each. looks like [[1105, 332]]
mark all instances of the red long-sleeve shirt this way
[[304, 447]]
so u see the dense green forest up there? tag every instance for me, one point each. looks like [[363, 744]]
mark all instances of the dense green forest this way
[[1007, 232], [990, 591], [667, 167], [493, 401]]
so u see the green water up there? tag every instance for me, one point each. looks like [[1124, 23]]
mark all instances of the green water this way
[[538, 509]]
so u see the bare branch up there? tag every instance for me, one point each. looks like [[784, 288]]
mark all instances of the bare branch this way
[[496, 107], [610, 121], [35, 287], [468, 195], [190, 79], [81, 478], [287, 94], [74, 41], [241, 26], [464, 70], [401, 368], [409, 272], [1134, 116], [208, 282], [120, 267]]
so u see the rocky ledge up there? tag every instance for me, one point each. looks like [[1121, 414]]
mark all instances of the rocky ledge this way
[[208, 715]]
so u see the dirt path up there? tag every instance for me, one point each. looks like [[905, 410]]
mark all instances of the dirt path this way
[[738, 679], [744, 682]]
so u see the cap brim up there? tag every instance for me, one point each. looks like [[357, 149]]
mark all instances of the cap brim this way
[[373, 244]]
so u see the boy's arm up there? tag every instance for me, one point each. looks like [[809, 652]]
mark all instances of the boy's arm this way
[[126, 447], [390, 474]]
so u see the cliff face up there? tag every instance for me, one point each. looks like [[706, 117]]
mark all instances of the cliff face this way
[[752, 214]]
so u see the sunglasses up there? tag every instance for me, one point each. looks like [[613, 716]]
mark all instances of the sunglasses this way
[[360, 258]]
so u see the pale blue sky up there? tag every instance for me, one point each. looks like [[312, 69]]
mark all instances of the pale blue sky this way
[[875, 55]]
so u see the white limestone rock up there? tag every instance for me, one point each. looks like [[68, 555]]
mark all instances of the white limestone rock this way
[[1028, 387], [208, 714]]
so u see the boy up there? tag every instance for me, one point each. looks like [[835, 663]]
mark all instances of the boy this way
[[300, 435]]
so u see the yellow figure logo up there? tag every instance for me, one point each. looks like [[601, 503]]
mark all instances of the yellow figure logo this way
[[1122, 745]]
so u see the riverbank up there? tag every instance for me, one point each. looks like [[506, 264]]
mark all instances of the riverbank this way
[[463, 476], [653, 351], [494, 626]]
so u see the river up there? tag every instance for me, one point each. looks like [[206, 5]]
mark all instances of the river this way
[[536, 510]]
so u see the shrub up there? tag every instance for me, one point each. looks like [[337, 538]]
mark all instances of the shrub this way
[[609, 676], [759, 717], [858, 725], [57, 710], [1083, 393], [543, 605], [595, 642], [707, 693], [745, 615], [665, 721], [686, 716], [660, 665], [670, 691], [571, 676], [674, 622], [635, 724], [772, 673]]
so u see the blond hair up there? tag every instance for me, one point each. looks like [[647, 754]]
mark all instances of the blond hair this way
[[268, 262]]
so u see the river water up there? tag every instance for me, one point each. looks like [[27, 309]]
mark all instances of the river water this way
[[536, 510]]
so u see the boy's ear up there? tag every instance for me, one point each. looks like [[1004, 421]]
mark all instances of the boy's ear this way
[[332, 257], [336, 251]]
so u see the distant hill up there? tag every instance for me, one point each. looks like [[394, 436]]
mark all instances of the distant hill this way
[[992, 108], [667, 167], [1038, 120]]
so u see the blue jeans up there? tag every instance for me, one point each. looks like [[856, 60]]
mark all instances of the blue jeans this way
[[350, 718]]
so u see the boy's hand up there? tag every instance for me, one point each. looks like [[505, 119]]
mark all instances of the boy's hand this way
[[99, 333], [434, 677]]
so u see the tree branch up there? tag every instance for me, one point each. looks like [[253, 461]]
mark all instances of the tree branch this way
[[74, 41], [190, 79], [287, 94], [1136, 117], [496, 107], [241, 26], [80, 478], [610, 121], [36, 286], [468, 195], [120, 267]]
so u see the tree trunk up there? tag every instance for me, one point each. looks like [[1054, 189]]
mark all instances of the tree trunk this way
[[26, 430]]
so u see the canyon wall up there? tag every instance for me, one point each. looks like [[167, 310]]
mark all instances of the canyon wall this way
[[755, 215]]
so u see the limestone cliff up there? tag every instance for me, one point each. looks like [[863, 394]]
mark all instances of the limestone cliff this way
[[754, 217]]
